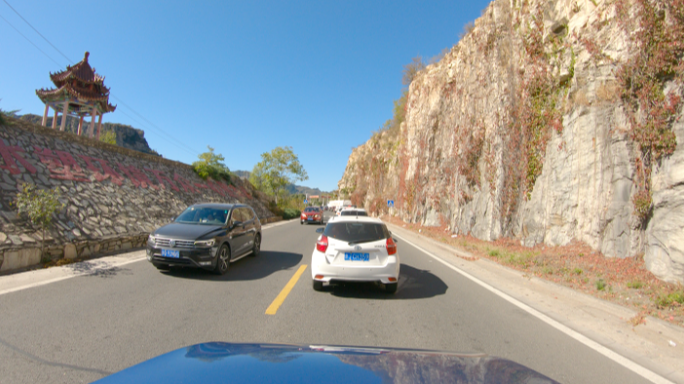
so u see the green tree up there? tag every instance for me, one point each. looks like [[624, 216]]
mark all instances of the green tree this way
[[108, 137], [39, 205], [210, 164], [276, 170]]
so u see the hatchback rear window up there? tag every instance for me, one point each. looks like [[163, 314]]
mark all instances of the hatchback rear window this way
[[353, 213], [356, 232]]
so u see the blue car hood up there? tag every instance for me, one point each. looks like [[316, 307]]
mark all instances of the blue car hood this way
[[280, 363]]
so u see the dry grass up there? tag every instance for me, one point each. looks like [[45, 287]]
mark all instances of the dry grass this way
[[608, 92], [623, 281], [580, 98]]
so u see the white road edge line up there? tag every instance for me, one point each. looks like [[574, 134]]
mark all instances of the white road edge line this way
[[634, 367], [39, 283], [103, 268]]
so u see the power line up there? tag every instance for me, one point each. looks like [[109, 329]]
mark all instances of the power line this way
[[154, 126], [168, 137], [162, 137], [41, 35], [27, 39]]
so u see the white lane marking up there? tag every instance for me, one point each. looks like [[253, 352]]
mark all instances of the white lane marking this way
[[95, 270], [632, 366], [75, 274]]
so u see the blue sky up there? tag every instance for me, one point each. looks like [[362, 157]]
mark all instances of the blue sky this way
[[241, 76]]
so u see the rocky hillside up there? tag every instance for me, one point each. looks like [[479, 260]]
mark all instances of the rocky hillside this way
[[126, 136], [549, 122]]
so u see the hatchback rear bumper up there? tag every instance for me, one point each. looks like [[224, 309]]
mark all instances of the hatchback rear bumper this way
[[381, 273]]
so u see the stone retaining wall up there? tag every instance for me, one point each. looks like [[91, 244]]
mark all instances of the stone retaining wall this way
[[113, 197]]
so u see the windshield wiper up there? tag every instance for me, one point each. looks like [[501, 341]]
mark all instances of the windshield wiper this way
[[363, 241]]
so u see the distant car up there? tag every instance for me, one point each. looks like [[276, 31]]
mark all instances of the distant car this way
[[207, 236], [311, 215], [354, 212], [350, 208], [355, 248]]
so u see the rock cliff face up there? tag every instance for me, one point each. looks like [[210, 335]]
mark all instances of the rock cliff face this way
[[550, 121], [126, 136]]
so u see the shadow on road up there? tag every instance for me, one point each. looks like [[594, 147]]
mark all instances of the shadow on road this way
[[413, 284], [248, 268], [51, 363], [97, 268]]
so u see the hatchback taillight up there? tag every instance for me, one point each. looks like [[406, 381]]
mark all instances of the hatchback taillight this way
[[322, 244], [391, 247]]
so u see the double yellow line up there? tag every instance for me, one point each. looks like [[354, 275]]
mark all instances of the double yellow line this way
[[273, 308]]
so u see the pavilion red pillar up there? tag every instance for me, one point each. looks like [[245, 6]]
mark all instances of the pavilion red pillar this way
[[92, 120], [54, 119], [65, 112], [47, 109], [80, 125], [99, 126]]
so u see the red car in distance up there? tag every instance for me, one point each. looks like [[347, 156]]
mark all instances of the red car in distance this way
[[311, 215]]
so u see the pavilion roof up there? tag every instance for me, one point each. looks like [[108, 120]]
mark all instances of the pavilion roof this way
[[81, 71], [78, 82]]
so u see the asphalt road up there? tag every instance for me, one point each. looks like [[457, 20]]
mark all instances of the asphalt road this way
[[83, 328]]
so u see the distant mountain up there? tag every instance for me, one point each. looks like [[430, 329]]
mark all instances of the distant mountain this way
[[241, 174], [293, 189], [126, 136]]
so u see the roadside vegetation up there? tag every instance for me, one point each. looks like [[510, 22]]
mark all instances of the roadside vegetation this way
[[271, 176], [623, 281], [108, 137], [4, 114], [38, 205], [211, 164]]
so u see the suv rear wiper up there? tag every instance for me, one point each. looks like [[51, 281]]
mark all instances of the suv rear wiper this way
[[363, 241]]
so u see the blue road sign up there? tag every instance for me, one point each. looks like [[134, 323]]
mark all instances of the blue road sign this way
[[306, 201], [390, 203]]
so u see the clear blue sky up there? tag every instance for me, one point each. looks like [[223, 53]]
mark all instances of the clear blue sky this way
[[241, 76]]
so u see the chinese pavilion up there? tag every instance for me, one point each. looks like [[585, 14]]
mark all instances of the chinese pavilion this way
[[80, 92]]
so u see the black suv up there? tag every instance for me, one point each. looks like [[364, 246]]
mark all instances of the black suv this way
[[208, 236]]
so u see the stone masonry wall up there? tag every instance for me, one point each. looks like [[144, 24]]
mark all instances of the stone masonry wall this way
[[113, 197]]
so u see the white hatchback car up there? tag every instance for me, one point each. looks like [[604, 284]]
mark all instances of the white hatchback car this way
[[355, 248]]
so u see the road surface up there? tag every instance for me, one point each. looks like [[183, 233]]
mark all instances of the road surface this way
[[83, 328]]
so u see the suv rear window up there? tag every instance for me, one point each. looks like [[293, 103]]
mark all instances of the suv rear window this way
[[353, 213], [356, 232]]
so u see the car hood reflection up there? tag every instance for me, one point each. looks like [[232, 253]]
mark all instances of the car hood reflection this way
[[268, 363]]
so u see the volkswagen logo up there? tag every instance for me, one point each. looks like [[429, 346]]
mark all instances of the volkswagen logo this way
[[357, 248], [172, 243]]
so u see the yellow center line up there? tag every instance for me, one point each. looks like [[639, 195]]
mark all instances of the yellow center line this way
[[273, 308]]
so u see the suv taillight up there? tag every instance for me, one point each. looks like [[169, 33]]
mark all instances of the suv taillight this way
[[391, 247], [322, 244]]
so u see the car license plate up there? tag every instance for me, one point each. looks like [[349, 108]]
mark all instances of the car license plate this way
[[171, 253], [310, 218], [356, 256]]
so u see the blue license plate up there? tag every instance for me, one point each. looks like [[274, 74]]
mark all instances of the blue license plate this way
[[310, 218], [171, 253], [356, 256]]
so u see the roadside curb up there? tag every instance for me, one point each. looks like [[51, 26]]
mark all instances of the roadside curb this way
[[276, 224], [602, 323]]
